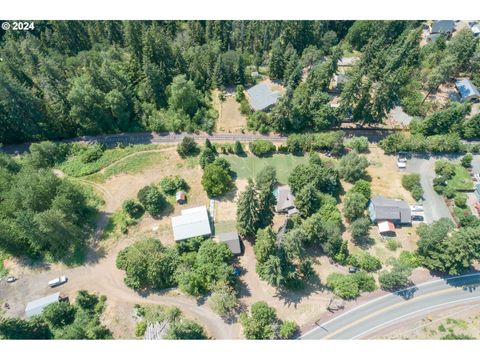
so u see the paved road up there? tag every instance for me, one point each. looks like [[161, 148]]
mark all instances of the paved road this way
[[367, 319]]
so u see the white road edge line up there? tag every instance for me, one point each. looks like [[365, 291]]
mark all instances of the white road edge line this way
[[413, 313], [385, 296]]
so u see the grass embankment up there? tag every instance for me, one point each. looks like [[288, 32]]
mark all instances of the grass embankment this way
[[76, 166]]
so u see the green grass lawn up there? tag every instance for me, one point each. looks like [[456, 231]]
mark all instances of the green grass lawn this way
[[74, 166], [3, 257], [130, 165], [249, 166], [461, 180]]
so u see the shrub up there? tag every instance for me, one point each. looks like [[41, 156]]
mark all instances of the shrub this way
[[359, 144], [365, 261], [133, 208], [396, 278], [171, 184], [352, 167], [206, 157], [343, 286], [92, 153], [288, 329], [187, 147], [445, 169], [411, 182], [365, 282], [262, 147], [360, 228], [466, 161], [461, 200], [363, 187], [392, 244], [354, 206], [152, 200], [140, 328]]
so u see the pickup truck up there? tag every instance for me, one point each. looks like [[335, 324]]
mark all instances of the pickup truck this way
[[58, 281]]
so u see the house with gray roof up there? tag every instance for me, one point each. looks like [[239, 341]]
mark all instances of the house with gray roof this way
[[232, 241], [385, 209], [442, 27], [467, 90], [191, 223], [36, 307], [262, 97]]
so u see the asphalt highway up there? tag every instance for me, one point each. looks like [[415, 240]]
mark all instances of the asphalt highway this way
[[371, 317]]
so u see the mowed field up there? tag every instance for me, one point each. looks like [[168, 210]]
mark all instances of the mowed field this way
[[249, 166]]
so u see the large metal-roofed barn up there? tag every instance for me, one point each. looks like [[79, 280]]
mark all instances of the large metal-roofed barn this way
[[385, 209], [36, 307], [191, 223], [262, 97]]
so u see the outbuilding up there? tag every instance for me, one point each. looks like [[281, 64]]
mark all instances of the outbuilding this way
[[232, 240], [191, 223], [386, 228], [261, 97], [36, 307], [180, 197], [467, 90], [285, 200]]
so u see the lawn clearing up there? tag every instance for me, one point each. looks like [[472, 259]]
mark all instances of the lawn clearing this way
[[462, 180], [248, 166], [74, 166], [230, 119]]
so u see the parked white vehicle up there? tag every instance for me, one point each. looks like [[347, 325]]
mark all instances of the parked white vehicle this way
[[401, 164], [58, 281], [476, 176], [416, 208]]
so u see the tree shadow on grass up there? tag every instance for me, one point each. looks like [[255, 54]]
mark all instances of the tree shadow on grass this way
[[294, 297]]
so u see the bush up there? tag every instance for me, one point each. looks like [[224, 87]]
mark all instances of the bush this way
[[288, 329], [392, 244], [445, 169], [359, 144], [352, 167], [411, 182], [396, 278], [365, 261], [461, 200], [188, 147], [140, 328], [92, 153], [363, 187], [466, 161], [152, 200], [365, 282], [171, 184], [360, 228], [59, 314], [343, 286], [133, 208], [262, 147]]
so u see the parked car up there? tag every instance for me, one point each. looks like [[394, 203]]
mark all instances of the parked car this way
[[476, 176], [11, 279], [352, 269], [401, 164], [416, 208], [57, 281], [402, 156], [417, 217]]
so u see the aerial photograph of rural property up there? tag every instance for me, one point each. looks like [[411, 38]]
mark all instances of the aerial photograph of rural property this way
[[240, 179]]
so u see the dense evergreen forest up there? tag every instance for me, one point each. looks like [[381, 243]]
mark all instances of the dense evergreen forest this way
[[70, 78]]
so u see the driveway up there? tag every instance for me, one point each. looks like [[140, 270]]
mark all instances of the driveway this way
[[370, 318], [434, 205]]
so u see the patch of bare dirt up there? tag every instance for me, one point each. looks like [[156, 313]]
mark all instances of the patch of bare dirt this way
[[230, 119]]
